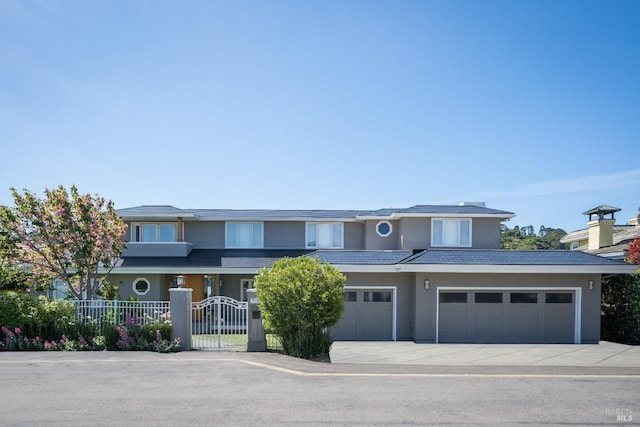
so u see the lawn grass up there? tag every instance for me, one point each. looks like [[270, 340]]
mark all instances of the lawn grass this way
[[231, 341]]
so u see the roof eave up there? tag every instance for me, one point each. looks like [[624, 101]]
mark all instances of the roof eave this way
[[520, 269], [436, 215]]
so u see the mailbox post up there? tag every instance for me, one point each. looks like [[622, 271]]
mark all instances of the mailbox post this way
[[255, 331]]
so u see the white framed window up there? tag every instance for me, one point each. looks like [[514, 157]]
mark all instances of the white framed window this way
[[154, 232], [384, 228], [141, 286], [244, 235], [325, 235], [451, 232], [575, 245]]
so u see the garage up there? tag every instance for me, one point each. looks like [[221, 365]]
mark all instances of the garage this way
[[508, 315], [368, 315]]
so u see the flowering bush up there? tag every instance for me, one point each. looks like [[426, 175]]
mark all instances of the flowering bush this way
[[29, 323], [149, 337], [15, 340], [129, 337]]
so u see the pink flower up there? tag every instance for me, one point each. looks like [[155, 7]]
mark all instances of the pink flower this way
[[18, 331]]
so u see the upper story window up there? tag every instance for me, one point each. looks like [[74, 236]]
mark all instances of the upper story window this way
[[384, 228], [244, 235], [154, 232], [325, 235], [575, 245], [451, 232]]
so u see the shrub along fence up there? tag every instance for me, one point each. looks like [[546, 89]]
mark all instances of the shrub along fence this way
[[113, 312], [28, 323]]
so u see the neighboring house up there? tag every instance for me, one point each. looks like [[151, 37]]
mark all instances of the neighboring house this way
[[425, 273], [602, 237]]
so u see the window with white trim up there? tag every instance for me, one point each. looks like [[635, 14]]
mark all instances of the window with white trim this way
[[244, 235], [325, 235], [575, 245], [451, 232], [154, 232], [141, 286], [384, 228]]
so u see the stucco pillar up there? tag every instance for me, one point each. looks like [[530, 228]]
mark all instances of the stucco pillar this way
[[180, 306], [256, 340]]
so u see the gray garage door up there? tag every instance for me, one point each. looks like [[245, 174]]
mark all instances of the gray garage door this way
[[521, 316], [368, 316]]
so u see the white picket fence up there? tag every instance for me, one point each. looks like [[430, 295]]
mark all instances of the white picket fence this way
[[100, 312], [216, 323]]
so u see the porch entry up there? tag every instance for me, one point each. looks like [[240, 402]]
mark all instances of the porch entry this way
[[219, 322]]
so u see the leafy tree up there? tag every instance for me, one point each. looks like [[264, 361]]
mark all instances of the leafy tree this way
[[13, 277], [621, 308], [299, 299], [525, 238], [633, 253], [64, 235]]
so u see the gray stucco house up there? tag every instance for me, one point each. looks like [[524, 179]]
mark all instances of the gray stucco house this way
[[428, 273]]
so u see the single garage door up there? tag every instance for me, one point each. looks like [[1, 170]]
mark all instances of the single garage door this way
[[368, 316], [513, 316]]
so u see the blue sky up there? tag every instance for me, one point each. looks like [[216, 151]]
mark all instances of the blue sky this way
[[530, 106]]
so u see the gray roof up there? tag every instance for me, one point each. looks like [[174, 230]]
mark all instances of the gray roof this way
[[361, 257], [272, 214], [453, 209], [233, 258], [583, 234], [284, 214], [153, 210], [507, 257], [258, 258]]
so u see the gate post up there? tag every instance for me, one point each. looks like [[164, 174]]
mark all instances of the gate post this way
[[180, 306], [255, 332]]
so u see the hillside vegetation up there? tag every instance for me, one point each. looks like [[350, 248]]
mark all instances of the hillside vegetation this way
[[525, 238]]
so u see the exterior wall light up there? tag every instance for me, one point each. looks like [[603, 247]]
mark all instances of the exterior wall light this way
[[590, 284], [427, 284], [180, 281]]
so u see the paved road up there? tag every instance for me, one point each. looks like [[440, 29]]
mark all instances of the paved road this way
[[209, 388]]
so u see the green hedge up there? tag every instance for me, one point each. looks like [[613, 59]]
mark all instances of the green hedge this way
[[36, 316], [621, 309], [39, 323]]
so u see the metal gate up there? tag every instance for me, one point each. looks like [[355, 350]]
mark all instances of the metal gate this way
[[219, 323]]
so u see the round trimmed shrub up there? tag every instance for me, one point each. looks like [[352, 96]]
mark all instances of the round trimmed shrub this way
[[300, 298]]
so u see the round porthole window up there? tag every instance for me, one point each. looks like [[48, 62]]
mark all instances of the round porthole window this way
[[384, 228], [141, 286]]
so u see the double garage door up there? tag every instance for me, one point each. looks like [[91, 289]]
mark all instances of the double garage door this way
[[507, 316], [367, 316]]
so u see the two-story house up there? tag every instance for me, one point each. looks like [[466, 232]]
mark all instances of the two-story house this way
[[425, 273]]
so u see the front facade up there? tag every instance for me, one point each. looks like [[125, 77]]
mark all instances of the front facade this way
[[426, 273]]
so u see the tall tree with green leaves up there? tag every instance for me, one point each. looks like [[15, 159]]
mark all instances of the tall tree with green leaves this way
[[64, 235]]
